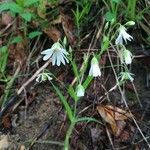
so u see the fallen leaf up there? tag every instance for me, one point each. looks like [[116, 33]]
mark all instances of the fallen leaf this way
[[108, 117], [68, 28], [53, 33], [114, 116], [6, 121], [118, 113]]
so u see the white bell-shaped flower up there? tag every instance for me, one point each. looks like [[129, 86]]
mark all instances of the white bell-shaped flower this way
[[123, 35], [125, 56], [80, 90], [57, 53], [95, 69]]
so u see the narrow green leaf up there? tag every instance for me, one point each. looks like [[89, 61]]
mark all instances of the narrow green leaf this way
[[75, 68], [72, 93], [87, 81], [65, 103], [3, 58], [87, 119], [34, 34]]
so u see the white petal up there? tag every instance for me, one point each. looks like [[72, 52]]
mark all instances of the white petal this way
[[90, 72], [58, 58], [46, 57], [64, 51], [62, 59], [65, 58], [53, 59], [119, 40], [46, 51]]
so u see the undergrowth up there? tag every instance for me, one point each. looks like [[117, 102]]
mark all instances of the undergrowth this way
[[33, 31]]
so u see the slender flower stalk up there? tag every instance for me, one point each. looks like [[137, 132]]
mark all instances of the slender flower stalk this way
[[57, 54], [95, 69]]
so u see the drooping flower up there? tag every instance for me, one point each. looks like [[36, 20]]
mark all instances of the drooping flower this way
[[126, 76], [41, 77], [95, 69], [57, 53], [126, 56], [123, 35], [80, 90]]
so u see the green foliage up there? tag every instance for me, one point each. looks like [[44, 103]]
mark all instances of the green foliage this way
[[11, 6], [72, 93], [34, 34], [21, 7], [64, 102], [16, 39], [80, 15], [3, 59], [109, 16]]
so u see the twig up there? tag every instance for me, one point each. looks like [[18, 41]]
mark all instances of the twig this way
[[13, 100], [33, 77]]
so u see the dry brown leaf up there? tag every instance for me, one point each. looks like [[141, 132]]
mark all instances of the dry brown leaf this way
[[6, 121], [107, 116], [118, 113], [68, 27], [53, 33], [4, 143], [17, 52], [114, 116]]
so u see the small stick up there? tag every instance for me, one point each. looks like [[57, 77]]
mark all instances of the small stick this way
[[14, 99], [33, 77]]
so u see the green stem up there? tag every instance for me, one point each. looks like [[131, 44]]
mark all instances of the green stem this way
[[9, 85], [68, 135]]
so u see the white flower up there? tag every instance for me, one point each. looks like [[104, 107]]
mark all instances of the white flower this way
[[94, 70], [57, 53], [80, 90], [126, 76], [126, 56], [43, 77], [123, 35]]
